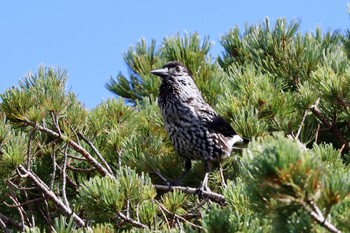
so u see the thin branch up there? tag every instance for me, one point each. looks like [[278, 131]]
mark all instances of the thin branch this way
[[201, 203], [218, 198], [74, 132], [131, 221], [12, 222], [119, 158], [53, 175], [47, 214], [301, 124], [73, 185], [332, 127], [77, 158], [55, 122], [177, 216], [166, 219], [127, 208], [82, 170], [317, 215], [316, 133], [4, 227], [24, 203], [64, 175], [20, 209], [101, 169], [50, 194], [31, 135], [96, 152]]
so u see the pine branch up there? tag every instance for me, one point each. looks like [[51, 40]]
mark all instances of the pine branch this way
[[20, 209], [50, 194], [216, 197], [311, 207], [178, 216], [332, 127], [12, 222], [64, 175], [4, 227], [101, 169], [31, 135], [131, 221], [53, 174], [96, 152]]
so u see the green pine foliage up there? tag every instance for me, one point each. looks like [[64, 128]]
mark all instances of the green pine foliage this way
[[65, 168]]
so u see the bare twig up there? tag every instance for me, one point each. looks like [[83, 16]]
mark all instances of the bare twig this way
[[301, 124], [73, 185], [50, 194], [201, 203], [24, 203], [77, 158], [9, 221], [74, 132], [31, 135], [177, 216], [55, 122], [332, 127], [20, 209], [64, 175], [89, 158], [53, 175], [317, 215], [316, 133], [12, 222], [218, 198], [166, 219], [131, 221], [82, 170], [96, 152], [119, 158], [47, 214], [4, 227]]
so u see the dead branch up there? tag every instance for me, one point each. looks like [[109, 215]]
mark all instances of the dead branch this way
[[216, 197], [53, 175], [82, 170], [31, 135], [332, 127], [9, 221], [131, 221], [101, 169], [96, 152], [317, 215], [64, 175], [4, 227], [177, 216], [49, 194]]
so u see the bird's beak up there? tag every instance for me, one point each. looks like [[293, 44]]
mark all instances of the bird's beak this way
[[161, 72]]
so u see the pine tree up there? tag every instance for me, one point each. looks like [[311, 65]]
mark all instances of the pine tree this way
[[65, 168]]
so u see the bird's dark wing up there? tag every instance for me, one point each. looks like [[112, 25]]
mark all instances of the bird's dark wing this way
[[215, 122]]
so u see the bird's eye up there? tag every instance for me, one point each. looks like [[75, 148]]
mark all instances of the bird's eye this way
[[177, 69]]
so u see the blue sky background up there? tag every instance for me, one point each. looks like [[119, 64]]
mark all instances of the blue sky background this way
[[87, 37]]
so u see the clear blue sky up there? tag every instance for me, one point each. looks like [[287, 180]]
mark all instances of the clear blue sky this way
[[87, 37]]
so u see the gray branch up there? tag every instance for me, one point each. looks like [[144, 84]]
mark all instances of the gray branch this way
[[216, 197], [101, 169], [50, 194]]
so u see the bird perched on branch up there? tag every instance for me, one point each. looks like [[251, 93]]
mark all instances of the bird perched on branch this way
[[196, 131]]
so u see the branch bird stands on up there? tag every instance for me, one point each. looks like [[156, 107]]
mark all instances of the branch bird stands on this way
[[196, 131]]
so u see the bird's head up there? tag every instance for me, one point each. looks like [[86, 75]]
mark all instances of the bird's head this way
[[177, 79], [172, 69]]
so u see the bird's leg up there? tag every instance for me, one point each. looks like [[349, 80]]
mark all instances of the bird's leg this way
[[188, 166], [204, 185], [223, 183]]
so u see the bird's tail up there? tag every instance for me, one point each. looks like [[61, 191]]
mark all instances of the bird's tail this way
[[240, 142]]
